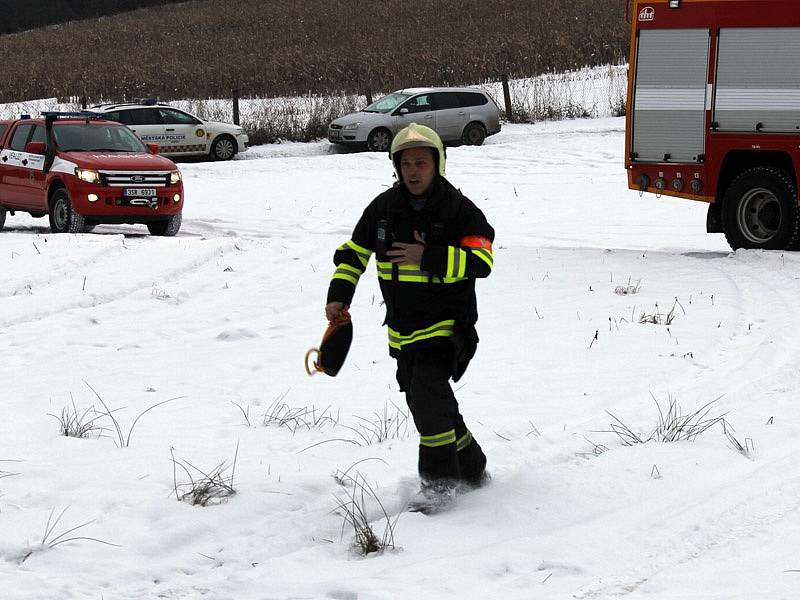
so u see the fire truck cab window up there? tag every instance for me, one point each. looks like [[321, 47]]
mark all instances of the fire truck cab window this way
[[20, 137], [39, 134]]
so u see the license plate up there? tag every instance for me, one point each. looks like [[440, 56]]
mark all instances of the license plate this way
[[140, 192], [334, 134]]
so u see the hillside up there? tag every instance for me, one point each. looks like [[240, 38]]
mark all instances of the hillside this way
[[22, 15], [270, 48]]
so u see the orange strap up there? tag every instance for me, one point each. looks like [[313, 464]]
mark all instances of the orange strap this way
[[476, 241]]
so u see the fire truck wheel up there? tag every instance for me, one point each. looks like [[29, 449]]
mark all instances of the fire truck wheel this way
[[474, 134], [760, 210], [223, 148], [63, 219], [167, 227], [2, 217]]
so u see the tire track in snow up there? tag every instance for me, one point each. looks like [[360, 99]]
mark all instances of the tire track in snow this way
[[55, 307]]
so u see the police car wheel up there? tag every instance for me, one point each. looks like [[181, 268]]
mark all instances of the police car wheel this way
[[223, 148], [2, 217], [63, 219]]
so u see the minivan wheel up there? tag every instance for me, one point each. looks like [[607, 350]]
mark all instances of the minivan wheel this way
[[379, 140], [474, 134], [760, 210], [223, 148], [63, 218]]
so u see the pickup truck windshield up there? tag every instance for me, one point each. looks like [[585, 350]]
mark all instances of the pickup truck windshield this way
[[83, 137]]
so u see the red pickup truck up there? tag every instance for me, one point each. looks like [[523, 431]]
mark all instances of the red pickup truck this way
[[83, 170]]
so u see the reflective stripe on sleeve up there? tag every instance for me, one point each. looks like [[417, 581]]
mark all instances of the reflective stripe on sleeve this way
[[485, 255], [441, 329], [440, 439], [362, 253], [348, 273], [456, 262]]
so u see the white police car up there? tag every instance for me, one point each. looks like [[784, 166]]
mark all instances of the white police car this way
[[176, 132]]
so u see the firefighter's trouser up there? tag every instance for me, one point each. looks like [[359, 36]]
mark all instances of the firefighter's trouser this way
[[447, 449]]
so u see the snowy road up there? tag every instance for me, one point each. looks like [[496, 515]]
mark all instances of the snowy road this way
[[221, 316]]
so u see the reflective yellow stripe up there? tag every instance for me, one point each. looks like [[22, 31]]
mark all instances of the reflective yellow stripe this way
[[440, 439], [441, 329], [412, 274], [348, 273], [350, 278], [456, 262], [485, 255], [362, 253], [464, 441]]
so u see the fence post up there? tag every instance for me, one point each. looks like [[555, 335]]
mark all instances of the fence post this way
[[236, 106], [369, 97], [83, 102], [507, 97]]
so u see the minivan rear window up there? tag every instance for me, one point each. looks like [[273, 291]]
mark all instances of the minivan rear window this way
[[472, 99]]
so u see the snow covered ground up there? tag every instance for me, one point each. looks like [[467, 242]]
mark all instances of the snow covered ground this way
[[219, 320]]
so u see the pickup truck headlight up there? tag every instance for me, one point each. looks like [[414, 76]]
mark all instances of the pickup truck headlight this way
[[87, 175], [352, 126], [174, 177]]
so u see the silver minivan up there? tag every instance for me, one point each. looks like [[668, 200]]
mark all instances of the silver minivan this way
[[458, 115]]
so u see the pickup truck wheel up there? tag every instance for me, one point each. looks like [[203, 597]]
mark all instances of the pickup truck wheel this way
[[2, 217], [167, 227], [760, 210], [63, 219], [223, 148], [379, 140]]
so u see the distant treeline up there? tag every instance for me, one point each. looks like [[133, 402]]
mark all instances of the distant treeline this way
[[271, 48], [21, 15]]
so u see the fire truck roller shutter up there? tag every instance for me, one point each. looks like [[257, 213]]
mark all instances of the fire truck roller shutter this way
[[758, 79], [670, 95]]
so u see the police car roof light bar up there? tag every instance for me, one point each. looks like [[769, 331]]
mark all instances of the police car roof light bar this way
[[84, 114]]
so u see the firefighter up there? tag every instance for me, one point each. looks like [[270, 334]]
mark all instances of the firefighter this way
[[431, 243]]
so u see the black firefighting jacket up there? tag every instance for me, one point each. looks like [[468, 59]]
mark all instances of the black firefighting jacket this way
[[432, 303]]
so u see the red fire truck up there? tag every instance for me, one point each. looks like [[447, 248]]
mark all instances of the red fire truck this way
[[83, 170], [714, 112]]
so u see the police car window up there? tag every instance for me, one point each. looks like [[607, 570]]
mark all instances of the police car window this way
[[445, 100], [418, 104], [39, 134], [142, 116], [20, 137], [114, 116], [176, 117]]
